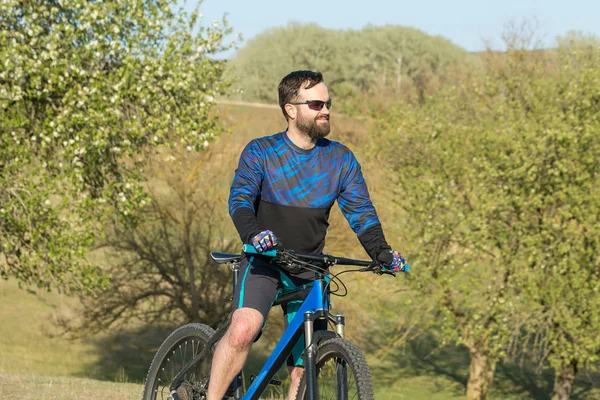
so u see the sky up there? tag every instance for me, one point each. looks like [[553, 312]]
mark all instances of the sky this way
[[468, 23]]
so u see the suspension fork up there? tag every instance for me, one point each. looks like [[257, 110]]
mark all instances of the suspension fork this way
[[310, 369]]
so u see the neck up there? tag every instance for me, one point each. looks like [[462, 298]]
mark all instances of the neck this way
[[300, 139]]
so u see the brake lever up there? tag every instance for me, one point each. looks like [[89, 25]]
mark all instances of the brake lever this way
[[284, 257], [377, 269]]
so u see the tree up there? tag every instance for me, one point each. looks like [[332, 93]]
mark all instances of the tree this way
[[558, 182], [458, 264], [87, 88], [160, 270], [500, 188]]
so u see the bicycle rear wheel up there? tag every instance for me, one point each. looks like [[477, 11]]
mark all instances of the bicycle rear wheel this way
[[342, 373], [174, 354]]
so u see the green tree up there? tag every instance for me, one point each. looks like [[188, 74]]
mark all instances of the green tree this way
[[160, 270], [355, 63], [86, 88], [460, 267], [555, 174], [499, 177]]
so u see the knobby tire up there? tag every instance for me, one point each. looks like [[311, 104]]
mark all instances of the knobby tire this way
[[174, 353], [333, 356]]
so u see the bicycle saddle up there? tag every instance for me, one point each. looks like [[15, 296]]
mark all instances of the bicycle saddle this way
[[223, 258]]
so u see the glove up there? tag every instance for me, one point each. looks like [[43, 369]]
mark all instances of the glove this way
[[396, 265], [264, 241]]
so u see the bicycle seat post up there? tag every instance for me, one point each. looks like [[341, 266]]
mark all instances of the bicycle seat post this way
[[235, 267]]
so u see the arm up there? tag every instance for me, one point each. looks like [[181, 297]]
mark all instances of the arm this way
[[355, 203], [245, 191]]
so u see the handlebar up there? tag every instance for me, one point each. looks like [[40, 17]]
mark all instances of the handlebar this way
[[289, 256]]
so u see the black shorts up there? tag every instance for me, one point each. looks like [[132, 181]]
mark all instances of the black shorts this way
[[259, 282], [257, 288]]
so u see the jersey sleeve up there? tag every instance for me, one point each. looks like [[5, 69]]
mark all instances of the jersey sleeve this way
[[356, 205], [245, 191]]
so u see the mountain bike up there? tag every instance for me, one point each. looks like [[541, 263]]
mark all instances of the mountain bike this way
[[334, 367]]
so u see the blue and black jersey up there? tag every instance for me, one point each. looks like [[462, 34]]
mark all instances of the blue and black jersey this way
[[289, 190]]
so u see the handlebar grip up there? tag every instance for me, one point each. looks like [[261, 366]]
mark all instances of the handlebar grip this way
[[249, 249]]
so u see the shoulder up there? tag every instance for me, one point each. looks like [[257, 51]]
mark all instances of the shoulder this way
[[337, 150], [266, 142], [334, 147], [263, 144]]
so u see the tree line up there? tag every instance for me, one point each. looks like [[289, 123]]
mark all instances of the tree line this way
[[380, 61]]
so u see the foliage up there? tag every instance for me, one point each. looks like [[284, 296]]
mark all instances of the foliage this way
[[499, 177], [85, 88], [374, 60], [459, 264], [161, 273], [559, 182]]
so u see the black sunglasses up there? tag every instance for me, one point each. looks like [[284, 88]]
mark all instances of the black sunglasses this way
[[316, 105]]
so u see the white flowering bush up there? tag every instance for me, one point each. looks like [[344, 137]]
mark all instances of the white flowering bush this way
[[87, 88]]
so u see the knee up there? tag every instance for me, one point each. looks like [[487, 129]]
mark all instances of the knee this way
[[240, 337], [243, 331]]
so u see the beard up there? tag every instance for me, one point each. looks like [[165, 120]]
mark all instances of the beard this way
[[313, 129]]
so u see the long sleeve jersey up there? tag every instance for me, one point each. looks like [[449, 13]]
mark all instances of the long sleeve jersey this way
[[289, 190]]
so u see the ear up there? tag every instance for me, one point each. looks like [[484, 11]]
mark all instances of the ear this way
[[291, 111]]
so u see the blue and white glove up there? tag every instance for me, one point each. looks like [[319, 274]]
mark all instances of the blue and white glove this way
[[397, 264], [264, 241]]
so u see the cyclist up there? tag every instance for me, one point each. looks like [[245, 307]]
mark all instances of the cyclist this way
[[282, 192]]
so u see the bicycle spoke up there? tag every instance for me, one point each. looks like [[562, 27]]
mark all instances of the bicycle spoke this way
[[180, 355]]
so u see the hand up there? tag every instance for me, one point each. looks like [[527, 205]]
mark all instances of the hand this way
[[398, 264], [264, 241]]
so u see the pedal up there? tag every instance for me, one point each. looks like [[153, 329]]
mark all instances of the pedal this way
[[273, 382]]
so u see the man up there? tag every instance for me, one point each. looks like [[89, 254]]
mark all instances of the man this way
[[282, 192]]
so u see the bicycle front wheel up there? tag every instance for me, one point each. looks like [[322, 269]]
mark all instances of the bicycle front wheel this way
[[181, 347], [342, 373]]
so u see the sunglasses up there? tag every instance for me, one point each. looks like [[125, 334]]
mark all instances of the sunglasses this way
[[316, 105]]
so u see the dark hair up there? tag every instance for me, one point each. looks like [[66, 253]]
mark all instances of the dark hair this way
[[290, 85]]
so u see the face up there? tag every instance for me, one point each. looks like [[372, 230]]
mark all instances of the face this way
[[313, 123]]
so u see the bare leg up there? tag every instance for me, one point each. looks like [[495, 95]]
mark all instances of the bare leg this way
[[295, 377], [232, 350]]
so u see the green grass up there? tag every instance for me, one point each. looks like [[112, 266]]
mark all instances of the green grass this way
[[26, 386], [30, 342], [422, 387], [26, 335], [36, 364]]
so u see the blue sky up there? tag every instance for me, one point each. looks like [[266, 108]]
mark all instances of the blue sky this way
[[467, 23]]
